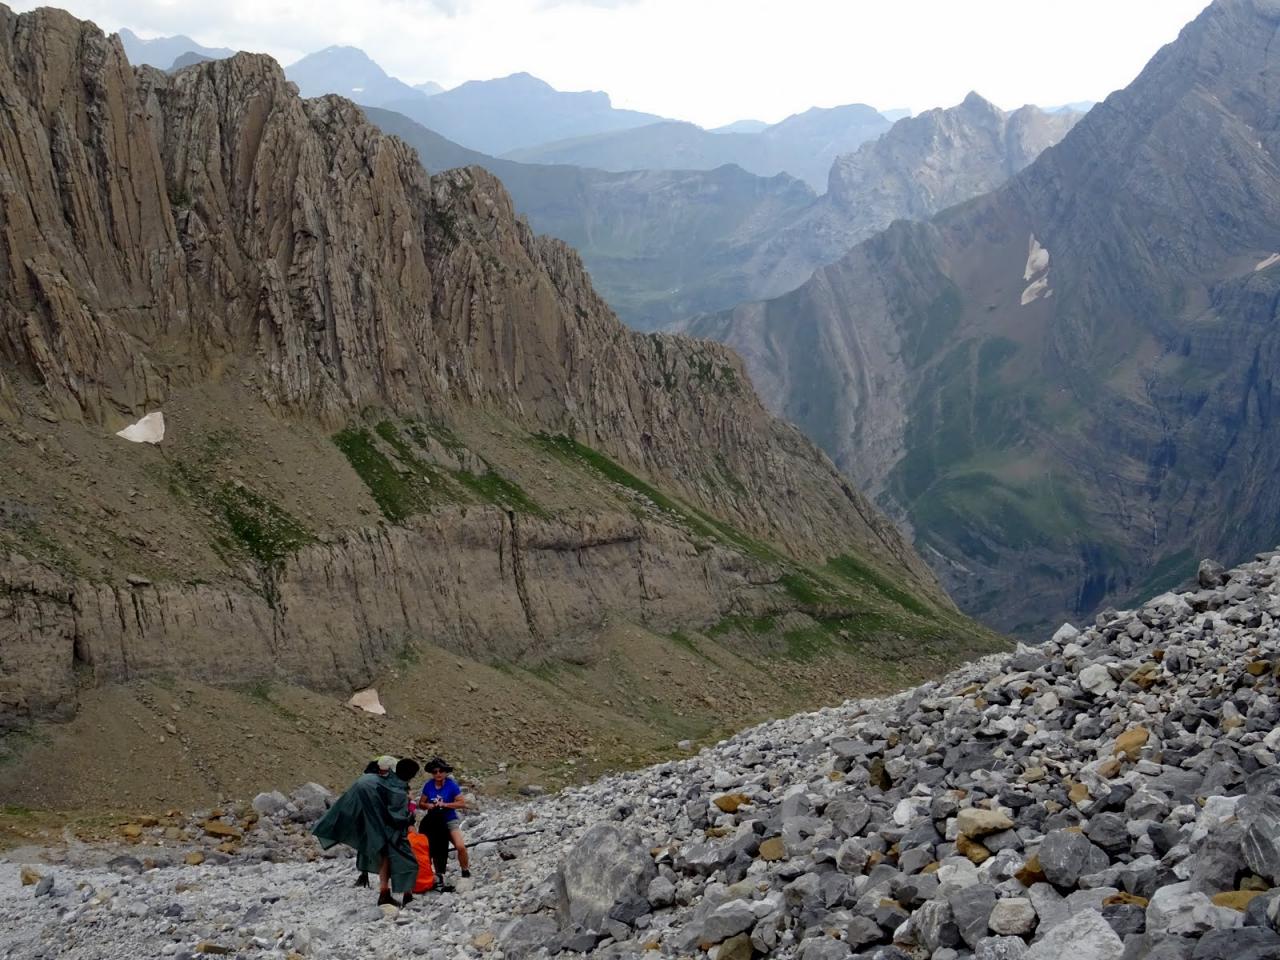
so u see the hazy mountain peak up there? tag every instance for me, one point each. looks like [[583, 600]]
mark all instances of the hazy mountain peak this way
[[976, 101], [161, 52], [349, 72]]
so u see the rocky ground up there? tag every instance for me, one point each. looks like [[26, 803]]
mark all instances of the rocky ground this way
[[1111, 794]]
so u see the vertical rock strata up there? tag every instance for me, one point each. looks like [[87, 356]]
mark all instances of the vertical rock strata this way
[[159, 233]]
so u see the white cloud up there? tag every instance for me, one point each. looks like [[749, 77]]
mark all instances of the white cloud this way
[[711, 61]]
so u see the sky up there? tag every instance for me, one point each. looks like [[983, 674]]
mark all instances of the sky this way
[[709, 61]]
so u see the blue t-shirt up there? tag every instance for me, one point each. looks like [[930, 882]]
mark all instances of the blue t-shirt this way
[[446, 794]]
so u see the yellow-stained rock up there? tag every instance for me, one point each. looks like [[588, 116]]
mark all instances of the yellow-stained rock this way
[[194, 858], [29, 876], [972, 849], [1130, 743], [730, 802], [1235, 899], [773, 849], [1031, 872], [1126, 899], [216, 828]]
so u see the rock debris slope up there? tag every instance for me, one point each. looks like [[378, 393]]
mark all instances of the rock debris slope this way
[[1111, 794], [393, 415], [1074, 435]]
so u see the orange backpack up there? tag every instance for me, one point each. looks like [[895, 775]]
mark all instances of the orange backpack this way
[[422, 852]]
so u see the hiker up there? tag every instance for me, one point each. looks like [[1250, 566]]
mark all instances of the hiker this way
[[372, 817], [442, 799], [422, 853], [373, 766]]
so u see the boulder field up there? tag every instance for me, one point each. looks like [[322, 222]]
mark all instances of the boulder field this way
[[1111, 794]]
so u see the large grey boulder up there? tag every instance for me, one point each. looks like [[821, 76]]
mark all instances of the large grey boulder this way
[[1012, 917], [1084, 936], [606, 866], [527, 936], [1261, 844], [723, 922], [1066, 856], [1242, 943], [1182, 910], [970, 908], [270, 804], [311, 801]]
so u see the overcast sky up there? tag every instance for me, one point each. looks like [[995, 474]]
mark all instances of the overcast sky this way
[[710, 61]]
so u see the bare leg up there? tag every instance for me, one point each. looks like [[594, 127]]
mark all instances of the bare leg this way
[[464, 862], [384, 875]]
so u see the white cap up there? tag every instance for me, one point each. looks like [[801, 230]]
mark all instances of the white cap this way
[[386, 763]]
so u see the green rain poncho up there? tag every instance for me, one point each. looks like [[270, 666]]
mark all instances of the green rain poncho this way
[[371, 818]]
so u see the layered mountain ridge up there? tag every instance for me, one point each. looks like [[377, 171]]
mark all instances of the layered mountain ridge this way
[[1063, 385], [394, 417], [665, 245]]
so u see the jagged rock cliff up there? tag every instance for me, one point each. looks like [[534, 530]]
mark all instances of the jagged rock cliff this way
[[1064, 385], [333, 334]]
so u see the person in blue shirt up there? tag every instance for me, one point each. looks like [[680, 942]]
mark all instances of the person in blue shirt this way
[[442, 799]]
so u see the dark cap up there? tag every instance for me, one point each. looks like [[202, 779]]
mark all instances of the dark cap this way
[[437, 763]]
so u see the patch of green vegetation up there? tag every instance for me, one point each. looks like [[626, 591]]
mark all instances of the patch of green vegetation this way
[[568, 449], [492, 487], [398, 494], [249, 525], [855, 571], [804, 590], [411, 484], [262, 529], [807, 643]]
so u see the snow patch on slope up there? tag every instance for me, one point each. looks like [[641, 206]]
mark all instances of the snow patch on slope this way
[[1038, 268], [150, 429], [1037, 291], [1037, 259], [1270, 261], [368, 701]]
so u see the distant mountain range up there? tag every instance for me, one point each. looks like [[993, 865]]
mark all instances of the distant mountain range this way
[[1067, 387], [664, 245], [803, 145], [163, 51]]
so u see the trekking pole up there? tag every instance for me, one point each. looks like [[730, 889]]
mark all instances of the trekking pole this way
[[505, 836]]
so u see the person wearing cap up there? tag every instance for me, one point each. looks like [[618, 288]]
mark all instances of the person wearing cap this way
[[442, 799], [372, 817]]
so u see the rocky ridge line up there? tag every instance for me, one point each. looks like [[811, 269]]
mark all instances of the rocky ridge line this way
[[1112, 794]]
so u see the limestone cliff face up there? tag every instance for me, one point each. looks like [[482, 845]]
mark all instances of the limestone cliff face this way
[[163, 232], [1064, 385], [485, 584]]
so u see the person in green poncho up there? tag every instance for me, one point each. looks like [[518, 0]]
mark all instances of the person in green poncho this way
[[372, 818]]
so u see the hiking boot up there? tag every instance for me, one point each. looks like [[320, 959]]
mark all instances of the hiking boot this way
[[362, 880], [466, 874], [406, 899], [385, 898]]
